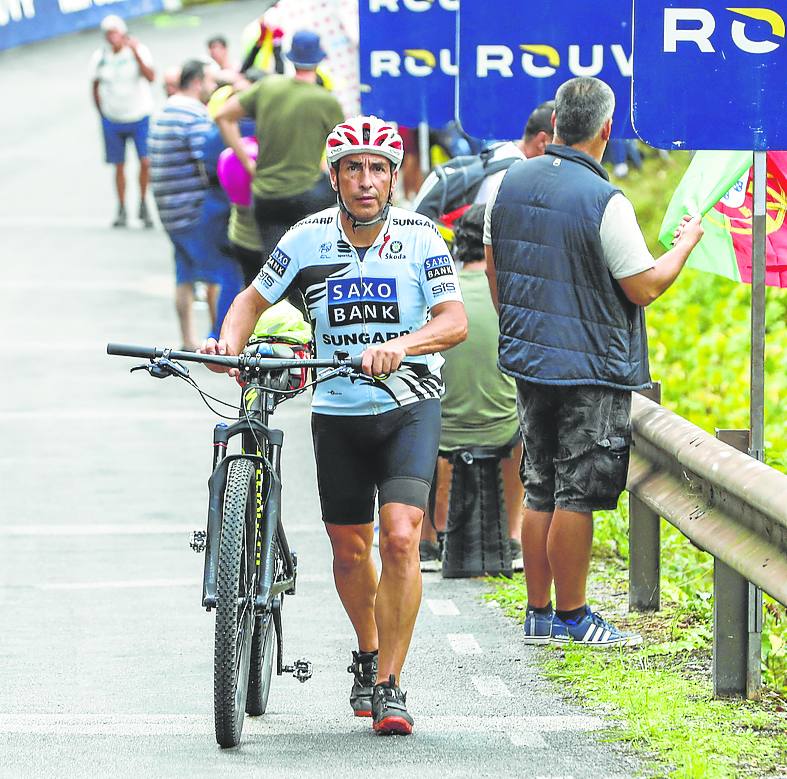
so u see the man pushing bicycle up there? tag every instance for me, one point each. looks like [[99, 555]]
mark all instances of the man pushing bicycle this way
[[378, 281]]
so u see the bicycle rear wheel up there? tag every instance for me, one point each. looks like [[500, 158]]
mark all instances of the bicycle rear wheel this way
[[262, 646], [234, 603]]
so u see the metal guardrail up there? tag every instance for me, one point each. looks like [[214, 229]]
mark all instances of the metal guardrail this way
[[728, 504]]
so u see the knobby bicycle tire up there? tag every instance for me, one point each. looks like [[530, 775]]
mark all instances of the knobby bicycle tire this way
[[263, 639], [261, 668], [234, 603]]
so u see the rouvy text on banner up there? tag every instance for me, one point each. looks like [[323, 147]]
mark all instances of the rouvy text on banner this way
[[514, 55], [408, 60]]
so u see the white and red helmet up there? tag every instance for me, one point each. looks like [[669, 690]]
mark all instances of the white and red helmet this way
[[364, 135]]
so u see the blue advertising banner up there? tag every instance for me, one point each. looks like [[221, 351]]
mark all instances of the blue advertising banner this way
[[408, 60], [25, 21], [511, 59], [710, 76]]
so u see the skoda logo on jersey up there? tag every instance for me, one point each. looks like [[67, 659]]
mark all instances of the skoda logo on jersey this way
[[394, 251], [355, 301], [438, 266], [278, 261]]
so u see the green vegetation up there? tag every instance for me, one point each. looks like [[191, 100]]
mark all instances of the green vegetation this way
[[661, 695], [699, 347]]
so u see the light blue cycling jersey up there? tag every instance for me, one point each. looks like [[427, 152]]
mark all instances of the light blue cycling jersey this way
[[356, 302]]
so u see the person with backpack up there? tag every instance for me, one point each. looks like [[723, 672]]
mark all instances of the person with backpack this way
[[451, 189], [447, 196]]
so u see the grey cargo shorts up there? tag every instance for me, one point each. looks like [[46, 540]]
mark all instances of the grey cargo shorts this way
[[577, 442]]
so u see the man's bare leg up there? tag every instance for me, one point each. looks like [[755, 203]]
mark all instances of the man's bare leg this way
[[144, 177], [212, 292], [514, 491], [568, 548], [399, 590], [538, 573], [356, 579], [120, 183], [184, 302]]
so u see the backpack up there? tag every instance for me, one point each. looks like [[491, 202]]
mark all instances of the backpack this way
[[451, 188]]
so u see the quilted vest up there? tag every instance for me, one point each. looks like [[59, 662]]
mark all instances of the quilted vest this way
[[563, 319]]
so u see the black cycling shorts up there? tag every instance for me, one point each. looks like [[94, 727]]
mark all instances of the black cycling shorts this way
[[356, 456]]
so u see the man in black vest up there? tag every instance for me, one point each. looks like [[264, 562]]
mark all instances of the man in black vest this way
[[570, 273]]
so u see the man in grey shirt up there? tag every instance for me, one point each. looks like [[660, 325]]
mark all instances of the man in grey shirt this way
[[570, 274]]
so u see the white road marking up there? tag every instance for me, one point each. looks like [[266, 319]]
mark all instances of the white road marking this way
[[131, 584], [530, 739], [119, 415], [442, 608], [98, 529], [54, 222], [464, 643], [273, 724], [314, 578], [147, 529], [491, 686]]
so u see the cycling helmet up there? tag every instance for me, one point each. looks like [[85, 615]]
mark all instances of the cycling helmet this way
[[364, 134]]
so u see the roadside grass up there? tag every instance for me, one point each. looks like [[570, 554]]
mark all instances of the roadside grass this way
[[659, 697]]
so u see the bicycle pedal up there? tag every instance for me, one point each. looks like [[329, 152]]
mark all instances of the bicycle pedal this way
[[198, 540], [302, 670]]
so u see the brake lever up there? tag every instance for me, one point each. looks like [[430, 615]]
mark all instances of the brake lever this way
[[162, 367]]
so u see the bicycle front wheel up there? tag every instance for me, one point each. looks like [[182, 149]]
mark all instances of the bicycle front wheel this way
[[234, 603]]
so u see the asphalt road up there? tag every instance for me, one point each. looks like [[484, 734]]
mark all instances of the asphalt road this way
[[105, 653]]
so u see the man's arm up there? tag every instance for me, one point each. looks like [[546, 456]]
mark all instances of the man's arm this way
[[643, 288], [446, 328], [145, 69], [96, 98], [491, 275], [238, 326], [227, 119]]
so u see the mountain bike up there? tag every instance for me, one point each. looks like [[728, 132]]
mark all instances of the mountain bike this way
[[249, 566]]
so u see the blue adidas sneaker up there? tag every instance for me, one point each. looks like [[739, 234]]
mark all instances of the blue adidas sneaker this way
[[591, 630], [538, 627]]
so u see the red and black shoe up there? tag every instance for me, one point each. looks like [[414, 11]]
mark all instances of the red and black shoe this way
[[364, 669], [389, 710]]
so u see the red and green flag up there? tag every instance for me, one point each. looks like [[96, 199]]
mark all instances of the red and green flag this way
[[719, 185]]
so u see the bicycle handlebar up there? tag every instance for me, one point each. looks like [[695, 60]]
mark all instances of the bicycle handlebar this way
[[242, 361]]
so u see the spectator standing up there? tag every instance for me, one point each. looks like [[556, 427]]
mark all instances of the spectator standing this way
[[451, 189], [177, 141], [533, 143], [226, 69], [213, 226], [122, 70], [293, 115], [570, 272], [171, 81], [481, 412]]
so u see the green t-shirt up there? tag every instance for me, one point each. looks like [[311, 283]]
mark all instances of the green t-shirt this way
[[242, 229], [293, 119], [479, 405]]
